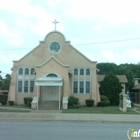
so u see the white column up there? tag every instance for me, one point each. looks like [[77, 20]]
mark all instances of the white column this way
[[59, 97], [38, 97]]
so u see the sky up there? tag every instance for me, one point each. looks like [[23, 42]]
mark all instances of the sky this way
[[103, 30]]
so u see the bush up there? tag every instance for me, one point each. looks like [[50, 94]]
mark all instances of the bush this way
[[3, 99], [11, 102], [73, 102], [26, 99], [29, 103], [103, 98], [89, 102], [107, 103], [101, 104]]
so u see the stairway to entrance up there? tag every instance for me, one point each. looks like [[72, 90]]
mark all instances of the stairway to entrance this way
[[49, 105]]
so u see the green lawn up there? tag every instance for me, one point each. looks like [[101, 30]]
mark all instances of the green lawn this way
[[15, 106], [99, 110], [14, 110]]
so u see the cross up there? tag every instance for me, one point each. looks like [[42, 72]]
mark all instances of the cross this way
[[52, 52], [55, 22]]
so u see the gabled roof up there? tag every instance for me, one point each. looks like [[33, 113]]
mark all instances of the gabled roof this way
[[52, 57], [136, 87], [122, 78], [65, 41]]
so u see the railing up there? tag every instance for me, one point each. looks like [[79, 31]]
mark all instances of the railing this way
[[35, 102]]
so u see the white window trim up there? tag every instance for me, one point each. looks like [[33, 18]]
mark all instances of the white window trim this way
[[85, 78]]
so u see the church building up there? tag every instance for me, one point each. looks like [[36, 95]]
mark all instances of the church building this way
[[52, 72]]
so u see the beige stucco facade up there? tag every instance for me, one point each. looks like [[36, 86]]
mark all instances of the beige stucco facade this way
[[62, 64]]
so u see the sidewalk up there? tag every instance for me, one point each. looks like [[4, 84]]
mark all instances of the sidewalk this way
[[49, 115]]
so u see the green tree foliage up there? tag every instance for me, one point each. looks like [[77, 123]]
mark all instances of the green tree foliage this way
[[111, 87], [5, 82], [130, 70]]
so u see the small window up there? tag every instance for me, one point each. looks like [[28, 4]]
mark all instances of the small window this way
[[52, 75], [20, 71], [75, 87], [31, 86], [87, 71], [87, 86], [25, 86], [81, 86], [19, 86], [32, 71], [75, 71], [81, 72], [26, 71]]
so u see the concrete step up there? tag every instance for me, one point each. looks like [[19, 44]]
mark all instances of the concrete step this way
[[49, 105]]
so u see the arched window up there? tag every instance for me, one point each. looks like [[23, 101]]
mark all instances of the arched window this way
[[20, 71], [81, 72], [52, 75], [32, 70], [75, 71], [26, 71], [87, 71]]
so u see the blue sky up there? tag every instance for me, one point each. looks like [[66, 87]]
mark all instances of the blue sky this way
[[86, 23]]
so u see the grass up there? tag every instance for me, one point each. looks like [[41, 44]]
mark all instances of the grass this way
[[99, 110], [14, 110], [15, 106]]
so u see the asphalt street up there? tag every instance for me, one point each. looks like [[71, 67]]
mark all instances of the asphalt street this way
[[57, 130]]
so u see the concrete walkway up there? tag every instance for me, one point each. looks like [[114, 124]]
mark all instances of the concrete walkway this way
[[58, 116]]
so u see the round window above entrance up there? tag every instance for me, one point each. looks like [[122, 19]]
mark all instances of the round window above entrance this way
[[55, 47], [52, 75]]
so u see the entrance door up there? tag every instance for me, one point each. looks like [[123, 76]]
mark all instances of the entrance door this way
[[51, 93]]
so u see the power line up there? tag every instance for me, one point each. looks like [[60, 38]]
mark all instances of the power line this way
[[104, 42]]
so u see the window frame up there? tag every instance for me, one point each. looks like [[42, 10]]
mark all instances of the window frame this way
[[75, 71], [81, 71], [19, 71], [87, 71], [32, 71], [75, 88], [26, 86], [81, 89], [32, 86], [87, 87], [26, 71]]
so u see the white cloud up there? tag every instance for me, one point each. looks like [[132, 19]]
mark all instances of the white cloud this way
[[43, 27], [97, 27], [112, 11], [8, 58], [15, 42], [128, 56], [11, 36]]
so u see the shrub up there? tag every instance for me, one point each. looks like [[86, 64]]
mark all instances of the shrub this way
[[11, 102], [103, 98], [89, 102], [26, 99], [101, 104], [73, 102], [29, 103], [3, 99], [107, 103]]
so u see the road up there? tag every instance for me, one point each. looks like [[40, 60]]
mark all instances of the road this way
[[53, 130]]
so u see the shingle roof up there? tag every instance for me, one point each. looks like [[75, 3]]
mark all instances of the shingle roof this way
[[122, 78], [136, 87]]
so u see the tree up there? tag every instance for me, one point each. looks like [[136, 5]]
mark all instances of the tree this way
[[111, 87], [6, 82]]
